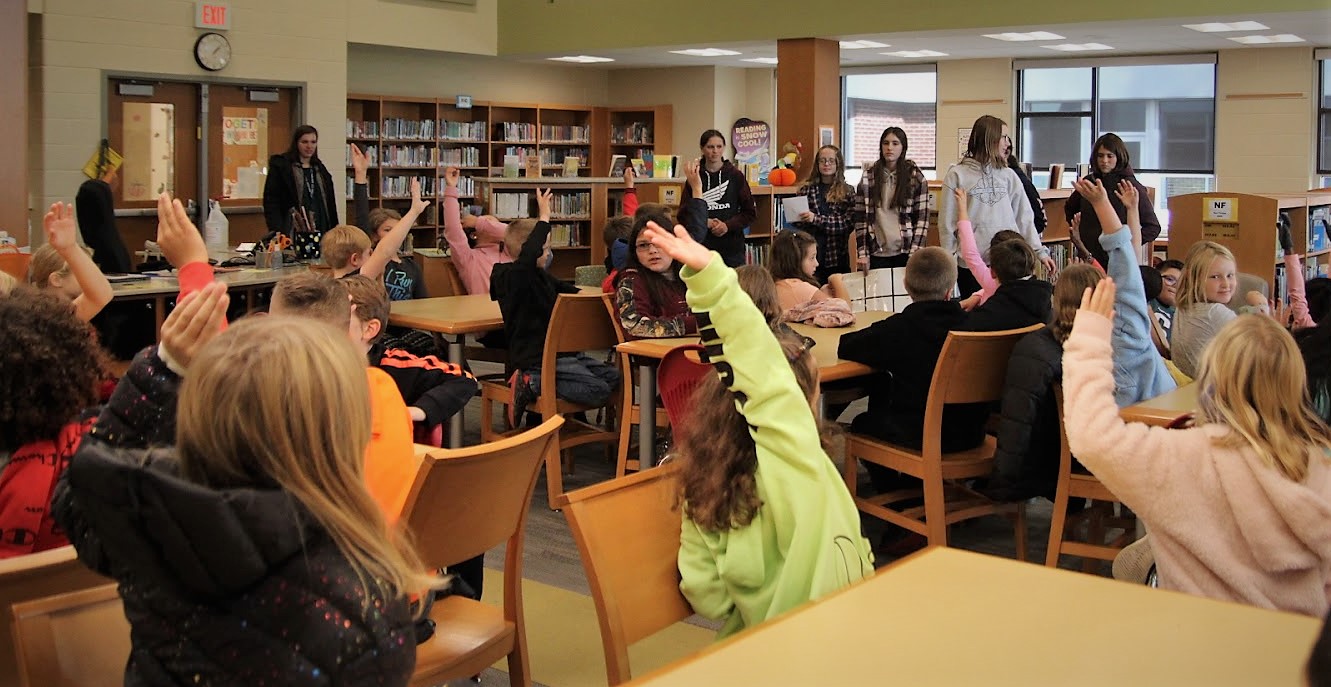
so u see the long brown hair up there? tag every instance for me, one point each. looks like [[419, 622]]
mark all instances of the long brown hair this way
[[281, 402], [661, 289], [1072, 283], [1115, 145], [756, 281], [838, 190], [986, 141], [904, 170], [718, 490], [788, 249]]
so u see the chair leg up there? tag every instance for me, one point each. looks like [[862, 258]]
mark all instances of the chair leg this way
[[625, 434], [1095, 534], [1057, 521], [935, 511], [1019, 530], [554, 476], [519, 673]]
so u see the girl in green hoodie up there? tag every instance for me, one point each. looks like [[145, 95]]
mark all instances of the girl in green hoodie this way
[[768, 523]]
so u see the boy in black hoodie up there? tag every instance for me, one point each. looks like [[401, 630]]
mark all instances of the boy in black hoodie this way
[[526, 293], [730, 206], [904, 349], [1021, 299]]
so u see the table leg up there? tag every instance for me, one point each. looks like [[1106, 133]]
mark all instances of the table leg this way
[[159, 314], [455, 356], [647, 414]]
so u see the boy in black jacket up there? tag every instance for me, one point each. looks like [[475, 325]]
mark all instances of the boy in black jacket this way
[[526, 293], [1021, 299], [905, 348]]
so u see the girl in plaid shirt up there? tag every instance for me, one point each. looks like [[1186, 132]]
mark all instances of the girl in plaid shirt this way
[[892, 206], [831, 200]]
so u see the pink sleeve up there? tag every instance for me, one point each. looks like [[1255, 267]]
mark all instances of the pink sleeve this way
[[970, 253], [630, 201], [1298, 301], [453, 233], [193, 277]]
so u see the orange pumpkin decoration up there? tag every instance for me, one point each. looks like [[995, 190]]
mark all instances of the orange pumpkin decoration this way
[[781, 177]]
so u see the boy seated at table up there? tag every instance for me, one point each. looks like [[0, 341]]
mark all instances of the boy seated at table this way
[[434, 390], [1022, 299], [904, 349], [390, 465], [346, 249], [526, 293]]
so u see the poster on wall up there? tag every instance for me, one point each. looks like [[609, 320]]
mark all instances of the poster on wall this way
[[753, 143], [963, 141]]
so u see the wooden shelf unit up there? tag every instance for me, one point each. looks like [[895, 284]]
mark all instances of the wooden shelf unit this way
[[1252, 234]]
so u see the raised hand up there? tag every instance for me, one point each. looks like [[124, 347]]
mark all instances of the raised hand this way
[[360, 162], [1127, 193], [1092, 192], [195, 321], [179, 239], [417, 205], [679, 246], [60, 227], [451, 176], [960, 194], [628, 176], [693, 173], [1100, 300], [543, 198]]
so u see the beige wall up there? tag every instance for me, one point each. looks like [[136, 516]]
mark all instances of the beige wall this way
[[394, 71], [1265, 120], [968, 89], [688, 89], [424, 25]]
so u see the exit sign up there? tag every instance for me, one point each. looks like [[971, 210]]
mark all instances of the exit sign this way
[[212, 15]]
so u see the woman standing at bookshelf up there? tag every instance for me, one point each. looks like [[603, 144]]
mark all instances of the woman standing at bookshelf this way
[[829, 217], [891, 206], [730, 207], [299, 186], [1109, 164]]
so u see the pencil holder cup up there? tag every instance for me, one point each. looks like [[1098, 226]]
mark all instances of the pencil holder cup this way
[[268, 260]]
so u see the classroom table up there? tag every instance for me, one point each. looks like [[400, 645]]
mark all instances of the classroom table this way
[[1163, 409], [650, 351], [450, 319], [951, 617], [160, 288]]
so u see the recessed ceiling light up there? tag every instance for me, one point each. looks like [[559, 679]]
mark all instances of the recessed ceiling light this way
[[1032, 36], [1264, 40], [706, 52], [860, 45], [915, 53], [584, 59], [761, 60], [1078, 47], [1215, 26]]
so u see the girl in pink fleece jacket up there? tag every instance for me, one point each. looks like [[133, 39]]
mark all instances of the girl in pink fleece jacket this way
[[473, 264], [1237, 507]]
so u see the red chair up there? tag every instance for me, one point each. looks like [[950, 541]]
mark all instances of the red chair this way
[[676, 378]]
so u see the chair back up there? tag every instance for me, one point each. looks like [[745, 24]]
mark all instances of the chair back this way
[[452, 279], [35, 576], [679, 374], [16, 265], [75, 639], [467, 501], [972, 368], [579, 322], [627, 532]]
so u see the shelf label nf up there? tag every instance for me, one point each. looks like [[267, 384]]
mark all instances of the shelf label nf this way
[[1220, 209]]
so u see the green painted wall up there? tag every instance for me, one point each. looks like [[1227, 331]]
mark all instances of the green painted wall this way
[[582, 26]]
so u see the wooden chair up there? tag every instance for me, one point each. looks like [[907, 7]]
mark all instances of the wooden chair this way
[[971, 369], [627, 532], [1074, 485], [463, 503], [629, 412], [16, 265], [578, 323], [75, 639], [36, 576]]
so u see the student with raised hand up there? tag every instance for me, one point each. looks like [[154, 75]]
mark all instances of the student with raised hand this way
[[995, 199], [1238, 505], [891, 213], [346, 249], [402, 277], [830, 217], [767, 522], [301, 581], [474, 265], [1110, 164], [63, 267], [649, 295]]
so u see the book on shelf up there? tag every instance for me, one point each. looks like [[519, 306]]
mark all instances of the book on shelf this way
[[564, 235], [571, 165], [1056, 175], [640, 169], [1083, 169], [617, 165], [663, 166], [633, 132], [532, 167], [1026, 168], [511, 164]]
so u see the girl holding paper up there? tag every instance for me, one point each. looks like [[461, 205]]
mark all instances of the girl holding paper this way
[[828, 217]]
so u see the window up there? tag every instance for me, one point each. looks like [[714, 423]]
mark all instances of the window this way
[[1165, 114], [872, 102], [1324, 123]]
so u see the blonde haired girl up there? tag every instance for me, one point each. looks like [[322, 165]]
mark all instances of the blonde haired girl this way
[[62, 266], [1207, 284], [252, 550], [1237, 506]]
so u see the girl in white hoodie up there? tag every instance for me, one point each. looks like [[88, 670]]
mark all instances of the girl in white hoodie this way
[[1238, 506], [996, 199]]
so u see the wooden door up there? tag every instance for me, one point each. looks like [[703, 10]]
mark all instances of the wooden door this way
[[154, 125], [245, 127]]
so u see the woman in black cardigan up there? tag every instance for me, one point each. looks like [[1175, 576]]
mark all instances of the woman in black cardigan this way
[[1109, 164], [298, 181]]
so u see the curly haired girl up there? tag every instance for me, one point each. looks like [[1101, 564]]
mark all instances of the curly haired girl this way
[[768, 523]]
